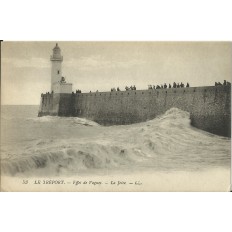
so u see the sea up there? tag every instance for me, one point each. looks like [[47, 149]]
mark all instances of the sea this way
[[164, 154]]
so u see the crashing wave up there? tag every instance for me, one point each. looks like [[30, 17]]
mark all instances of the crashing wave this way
[[165, 143]]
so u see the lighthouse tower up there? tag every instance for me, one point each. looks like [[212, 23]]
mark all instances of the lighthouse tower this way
[[56, 60], [58, 83]]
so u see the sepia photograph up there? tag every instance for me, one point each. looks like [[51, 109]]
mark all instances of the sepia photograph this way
[[115, 116]]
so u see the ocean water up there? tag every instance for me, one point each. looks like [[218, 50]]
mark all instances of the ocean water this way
[[58, 146]]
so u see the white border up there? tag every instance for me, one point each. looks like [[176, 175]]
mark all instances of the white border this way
[[164, 20]]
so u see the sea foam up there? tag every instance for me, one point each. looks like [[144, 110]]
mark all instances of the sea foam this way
[[165, 143]]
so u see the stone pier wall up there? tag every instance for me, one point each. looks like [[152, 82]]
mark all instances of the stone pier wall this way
[[209, 106]]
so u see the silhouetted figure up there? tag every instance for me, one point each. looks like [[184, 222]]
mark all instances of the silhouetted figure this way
[[153, 86], [224, 83], [169, 86], [165, 86], [63, 80], [187, 85], [174, 84], [181, 85], [157, 87], [178, 86], [118, 89], [134, 88], [126, 88]]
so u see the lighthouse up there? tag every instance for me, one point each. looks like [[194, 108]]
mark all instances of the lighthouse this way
[[58, 83]]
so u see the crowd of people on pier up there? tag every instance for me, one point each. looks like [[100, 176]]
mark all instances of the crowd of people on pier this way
[[162, 86], [126, 88], [224, 83], [165, 86], [130, 88]]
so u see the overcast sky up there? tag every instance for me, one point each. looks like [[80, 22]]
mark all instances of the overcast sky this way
[[26, 66]]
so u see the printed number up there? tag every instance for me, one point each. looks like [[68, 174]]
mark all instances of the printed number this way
[[25, 181]]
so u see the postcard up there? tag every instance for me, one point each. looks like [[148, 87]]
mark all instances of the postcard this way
[[115, 116]]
